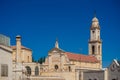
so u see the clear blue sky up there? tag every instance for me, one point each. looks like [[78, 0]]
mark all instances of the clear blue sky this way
[[39, 22]]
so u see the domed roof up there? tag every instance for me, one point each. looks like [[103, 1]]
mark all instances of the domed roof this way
[[95, 19], [95, 23], [18, 36]]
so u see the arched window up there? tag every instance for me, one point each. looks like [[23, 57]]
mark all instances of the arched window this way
[[28, 70], [28, 58], [93, 50], [36, 71], [69, 68], [99, 49], [56, 67], [93, 32]]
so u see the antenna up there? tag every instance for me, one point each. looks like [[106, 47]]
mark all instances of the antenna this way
[[95, 13]]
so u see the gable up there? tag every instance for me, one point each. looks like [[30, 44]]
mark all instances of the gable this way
[[114, 66], [55, 51]]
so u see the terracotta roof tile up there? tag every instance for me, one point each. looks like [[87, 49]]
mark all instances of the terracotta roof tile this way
[[14, 47], [81, 57]]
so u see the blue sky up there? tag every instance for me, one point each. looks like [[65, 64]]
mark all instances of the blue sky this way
[[39, 22]]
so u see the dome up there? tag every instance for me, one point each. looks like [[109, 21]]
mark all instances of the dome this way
[[18, 36], [95, 19]]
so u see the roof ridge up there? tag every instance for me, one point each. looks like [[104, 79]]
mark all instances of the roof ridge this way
[[81, 57], [78, 54], [21, 46]]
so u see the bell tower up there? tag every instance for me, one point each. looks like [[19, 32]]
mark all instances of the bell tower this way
[[95, 43]]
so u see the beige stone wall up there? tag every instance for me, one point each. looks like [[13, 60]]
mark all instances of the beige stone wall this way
[[5, 58], [86, 65], [18, 71], [48, 68], [20, 53], [45, 78], [14, 55], [26, 55], [63, 63], [32, 66], [65, 75]]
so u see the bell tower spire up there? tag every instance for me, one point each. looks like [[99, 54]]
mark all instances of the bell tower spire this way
[[56, 43], [95, 43]]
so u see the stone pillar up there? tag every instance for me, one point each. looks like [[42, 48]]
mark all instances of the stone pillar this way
[[77, 74], [18, 49], [106, 74], [82, 75]]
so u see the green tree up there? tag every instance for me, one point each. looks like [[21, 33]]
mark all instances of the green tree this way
[[33, 60], [41, 60]]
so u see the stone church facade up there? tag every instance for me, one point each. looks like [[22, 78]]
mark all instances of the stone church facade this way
[[71, 66], [59, 63]]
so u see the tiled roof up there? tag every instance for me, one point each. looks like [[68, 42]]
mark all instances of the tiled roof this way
[[82, 58], [14, 47]]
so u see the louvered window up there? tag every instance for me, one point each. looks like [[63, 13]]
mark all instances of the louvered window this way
[[4, 70]]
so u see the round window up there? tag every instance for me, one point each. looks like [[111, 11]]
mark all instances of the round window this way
[[56, 67]]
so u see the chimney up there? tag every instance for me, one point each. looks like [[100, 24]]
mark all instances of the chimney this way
[[18, 48]]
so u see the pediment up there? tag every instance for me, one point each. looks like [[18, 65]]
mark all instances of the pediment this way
[[56, 50]]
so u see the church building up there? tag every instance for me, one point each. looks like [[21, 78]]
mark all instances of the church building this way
[[71, 66], [59, 64], [23, 67]]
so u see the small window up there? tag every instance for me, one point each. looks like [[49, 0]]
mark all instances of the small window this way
[[4, 70], [69, 68], [93, 31], [99, 49], [28, 58], [56, 67], [93, 50]]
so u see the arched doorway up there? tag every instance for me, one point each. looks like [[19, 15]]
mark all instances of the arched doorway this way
[[28, 70], [36, 71]]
